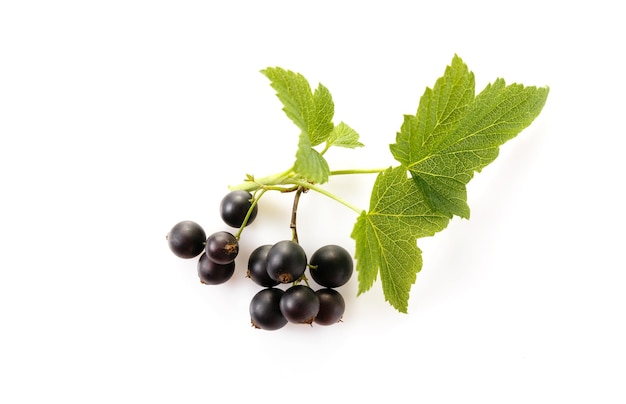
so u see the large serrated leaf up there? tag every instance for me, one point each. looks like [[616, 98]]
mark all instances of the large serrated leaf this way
[[454, 134], [386, 235]]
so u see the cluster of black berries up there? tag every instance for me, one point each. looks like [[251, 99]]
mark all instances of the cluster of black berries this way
[[285, 262], [187, 239]]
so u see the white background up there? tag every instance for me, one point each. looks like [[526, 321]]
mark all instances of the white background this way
[[120, 118]]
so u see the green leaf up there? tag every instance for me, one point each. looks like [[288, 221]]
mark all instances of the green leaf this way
[[311, 112], [386, 235], [440, 109], [455, 134], [322, 124], [310, 163], [344, 136]]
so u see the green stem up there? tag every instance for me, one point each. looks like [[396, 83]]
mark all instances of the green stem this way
[[303, 278], [358, 171], [274, 179], [245, 220], [294, 210], [280, 182], [328, 194]]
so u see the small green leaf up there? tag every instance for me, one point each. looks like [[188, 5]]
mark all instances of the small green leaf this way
[[454, 134], [386, 235], [311, 112], [322, 126], [344, 136], [310, 163]]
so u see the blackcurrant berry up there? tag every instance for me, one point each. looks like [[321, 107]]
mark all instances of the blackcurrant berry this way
[[286, 261], [257, 267], [222, 247], [331, 266], [299, 304], [212, 273], [332, 306], [265, 310], [235, 206], [186, 239]]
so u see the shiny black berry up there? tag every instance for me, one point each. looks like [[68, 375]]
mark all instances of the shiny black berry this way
[[235, 206], [286, 261], [265, 310], [257, 267], [222, 247], [332, 306], [212, 273], [331, 266], [299, 304], [186, 239]]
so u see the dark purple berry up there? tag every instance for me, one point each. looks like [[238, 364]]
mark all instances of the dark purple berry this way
[[257, 267], [212, 273], [299, 304], [332, 306], [286, 261], [222, 247], [235, 206], [186, 239], [331, 266], [265, 310]]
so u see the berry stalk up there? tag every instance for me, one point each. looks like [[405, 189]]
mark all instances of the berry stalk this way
[[289, 181], [292, 225]]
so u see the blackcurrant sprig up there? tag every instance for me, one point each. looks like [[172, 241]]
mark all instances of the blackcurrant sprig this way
[[269, 265]]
